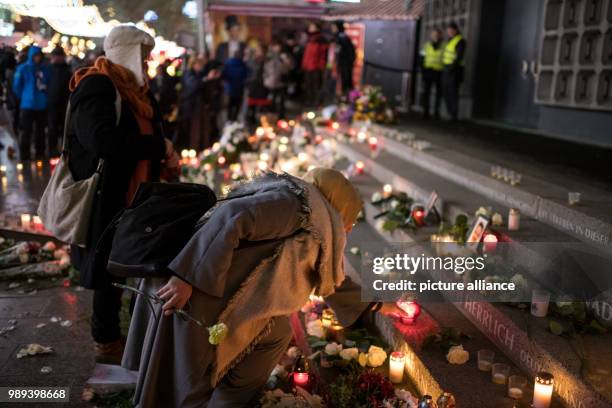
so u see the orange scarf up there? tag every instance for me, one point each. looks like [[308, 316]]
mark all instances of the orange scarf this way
[[138, 100]]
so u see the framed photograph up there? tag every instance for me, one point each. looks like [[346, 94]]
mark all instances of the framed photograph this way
[[431, 202], [478, 229]]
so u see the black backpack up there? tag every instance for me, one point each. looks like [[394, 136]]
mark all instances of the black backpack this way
[[151, 232]]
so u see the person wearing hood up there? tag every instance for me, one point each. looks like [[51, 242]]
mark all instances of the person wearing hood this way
[[255, 261], [313, 64], [30, 87], [114, 117], [344, 56], [59, 80]]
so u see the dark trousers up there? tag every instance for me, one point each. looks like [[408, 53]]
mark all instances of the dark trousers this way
[[242, 385], [32, 121], [55, 130], [278, 102], [452, 80], [233, 107], [432, 80], [105, 317], [346, 77], [313, 82]]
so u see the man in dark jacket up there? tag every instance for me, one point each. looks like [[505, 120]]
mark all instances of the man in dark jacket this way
[[59, 78], [453, 59], [30, 87], [345, 56]]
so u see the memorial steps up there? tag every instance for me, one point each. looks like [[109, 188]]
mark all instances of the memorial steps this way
[[529, 345], [428, 367]]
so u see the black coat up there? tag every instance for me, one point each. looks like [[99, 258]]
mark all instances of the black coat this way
[[58, 92], [93, 134]]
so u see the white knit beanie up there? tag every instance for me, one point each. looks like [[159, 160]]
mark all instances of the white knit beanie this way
[[123, 45]]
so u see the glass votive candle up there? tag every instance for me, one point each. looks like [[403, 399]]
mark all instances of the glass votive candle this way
[[516, 179], [500, 373], [485, 359], [517, 385], [539, 302], [573, 198], [506, 175]]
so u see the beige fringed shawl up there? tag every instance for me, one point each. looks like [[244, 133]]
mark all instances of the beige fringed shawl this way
[[281, 284]]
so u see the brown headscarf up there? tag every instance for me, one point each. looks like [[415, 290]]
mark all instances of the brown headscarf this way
[[138, 100], [341, 194]]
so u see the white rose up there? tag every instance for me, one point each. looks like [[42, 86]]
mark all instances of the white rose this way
[[49, 246], [293, 352], [315, 328], [349, 354], [457, 355], [333, 349], [376, 356], [24, 258], [497, 220]]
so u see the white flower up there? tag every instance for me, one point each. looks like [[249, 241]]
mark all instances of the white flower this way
[[380, 224], [394, 204], [497, 220], [333, 348], [355, 250], [457, 355], [376, 197], [279, 371], [49, 246], [315, 328], [376, 356], [24, 258], [483, 211], [294, 352], [349, 354]]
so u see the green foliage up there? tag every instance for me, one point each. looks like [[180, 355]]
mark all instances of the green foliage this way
[[571, 318]]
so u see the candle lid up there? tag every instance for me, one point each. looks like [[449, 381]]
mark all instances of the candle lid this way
[[515, 211], [397, 354], [544, 378]]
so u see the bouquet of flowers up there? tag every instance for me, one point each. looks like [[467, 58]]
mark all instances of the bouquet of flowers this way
[[367, 103]]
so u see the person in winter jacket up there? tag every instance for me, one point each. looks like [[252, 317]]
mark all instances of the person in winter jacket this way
[[276, 75], [114, 117], [30, 87], [255, 261], [235, 73], [58, 95], [257, 92], [344, 56], [313, 64]]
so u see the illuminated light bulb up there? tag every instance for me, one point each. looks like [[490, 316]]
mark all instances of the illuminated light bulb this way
[[302, 156], [206, 152], [311, 115], [264, 156], [262, 165], [335, 125], [19, 166], [192, 153], [39, 164], [284, 140], [194, 161], [3, 169], [260, 131], [216, 146], [362, 136], [207, 167], [292, 123], [282, 148], [184, 153], [221, 160]]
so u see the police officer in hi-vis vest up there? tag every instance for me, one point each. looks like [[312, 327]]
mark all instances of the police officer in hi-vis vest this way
[[432, 71], [452, 58]]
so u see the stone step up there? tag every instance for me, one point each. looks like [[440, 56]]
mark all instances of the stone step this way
[[520, 337], [544, 201], [428, 368]]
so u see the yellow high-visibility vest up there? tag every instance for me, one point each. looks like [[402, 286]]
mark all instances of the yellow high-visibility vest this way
[[450, 50], [433, 57]]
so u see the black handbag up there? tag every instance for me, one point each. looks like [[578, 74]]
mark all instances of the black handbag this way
[[151, 232]]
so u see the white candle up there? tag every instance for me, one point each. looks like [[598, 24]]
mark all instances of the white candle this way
[[499, 378], [515, 393], [25, 221], [514, 219], [539, 303], [396, 367], [484, 365], [543, 389]]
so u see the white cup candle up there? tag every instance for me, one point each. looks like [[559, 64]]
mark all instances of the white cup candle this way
[[516, 386], [26, 219], [543, 389], [499, 373], [396, 367], [485, 359], [514, 219], [539, 303]]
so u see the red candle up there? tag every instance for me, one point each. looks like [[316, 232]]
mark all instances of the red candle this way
[[411, 309], [359, 166], [490, 242], [300, 379], [419, 217], [373, 142]]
